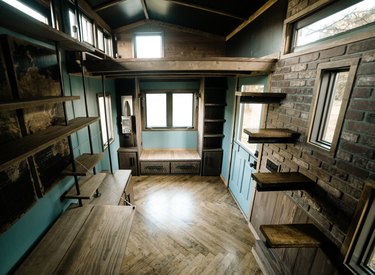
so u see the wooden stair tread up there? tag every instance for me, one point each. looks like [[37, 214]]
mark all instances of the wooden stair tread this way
[[292, 235], [7, 105], [87, 186], [281, 181], [271, 135], [83, 163], [21, 148], [248, 97]]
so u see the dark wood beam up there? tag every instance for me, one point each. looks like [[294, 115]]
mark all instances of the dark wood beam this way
[[145, 9], [108, 4], [254, 16], [199, 7]]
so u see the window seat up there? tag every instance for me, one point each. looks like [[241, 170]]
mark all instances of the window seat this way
[[169, 161]]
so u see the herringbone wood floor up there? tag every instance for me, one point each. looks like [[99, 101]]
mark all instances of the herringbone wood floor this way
[[187, 225]]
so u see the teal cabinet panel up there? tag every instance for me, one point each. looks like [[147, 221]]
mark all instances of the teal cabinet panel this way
[[240, 183]]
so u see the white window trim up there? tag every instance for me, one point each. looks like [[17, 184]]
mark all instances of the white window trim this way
[[107, 120]]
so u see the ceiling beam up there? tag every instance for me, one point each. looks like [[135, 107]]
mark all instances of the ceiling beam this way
[[169, 26], [254, 16], [107, 5], [145, 9], [199, 7], [92, 13]]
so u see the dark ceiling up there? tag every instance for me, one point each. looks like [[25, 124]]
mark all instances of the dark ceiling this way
[[218, 17]]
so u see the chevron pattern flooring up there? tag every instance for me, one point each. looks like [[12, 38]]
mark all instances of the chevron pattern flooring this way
[[187, 225]]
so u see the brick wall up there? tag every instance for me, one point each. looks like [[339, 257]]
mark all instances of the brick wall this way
[[340, 179]]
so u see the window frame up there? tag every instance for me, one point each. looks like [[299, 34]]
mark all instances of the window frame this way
[[169, 119], [148, 34], [108, 121], [82, 16], [314, 122]]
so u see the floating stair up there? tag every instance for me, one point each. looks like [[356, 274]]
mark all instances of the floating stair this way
[[87, 187], [282, 181], [267, 98], [83, 163], [272, 135], [293, 236]]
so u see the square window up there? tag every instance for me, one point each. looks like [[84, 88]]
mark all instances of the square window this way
[[332, 90], [148, 46], [106, 120], [182, 110], [87, 30], [156, 110], [100, 38]]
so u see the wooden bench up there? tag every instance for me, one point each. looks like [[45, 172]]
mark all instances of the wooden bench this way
[[169, 161], [88, 240]]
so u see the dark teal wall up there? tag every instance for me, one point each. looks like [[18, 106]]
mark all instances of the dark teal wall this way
[[262, 37]]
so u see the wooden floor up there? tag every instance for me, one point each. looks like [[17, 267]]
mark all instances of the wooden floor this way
[[187, 225]]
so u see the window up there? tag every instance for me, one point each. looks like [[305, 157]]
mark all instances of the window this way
[[27, 10], [332, 22], [169, 110], [87, 30], [108, 48], [73, 24], [332, 90], [250, 116], [148, 45], [100, 38], [106, 121]]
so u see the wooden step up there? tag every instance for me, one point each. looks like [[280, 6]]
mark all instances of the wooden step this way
[[293, 235], [271, 135], [267, 98], [83, 163], [281, 181], [87, 187]]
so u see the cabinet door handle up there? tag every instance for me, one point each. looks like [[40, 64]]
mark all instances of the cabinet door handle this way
[[253, 164]]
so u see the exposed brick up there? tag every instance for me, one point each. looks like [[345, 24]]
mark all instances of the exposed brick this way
[[338, 234], [293, 113], [311, 159], [324, 157], [319, 218], [366, 81], [276, 77], [360, 162], [291, 61], [285, 154], [334, 172], [344, 155], [309, 57], [349, 137], [354, 115], [314, 65], [368, 68], [302, 107], [370, 118], [284, 118], [368, 140], [300, 162], [356, 183], [292, 165], [282, 69], [278, 157], [358, 149], [361, 46], [360, 127], [297, 83], [361, 93], [352, 169], [298, 68], [345, 187], [291, 76], [299, 122], [333, 52], [329, 189], [304, 115], [349, 204], [307, 74], [308, 174], [365, 105], [371, 166], [321, 174], [369, 57]]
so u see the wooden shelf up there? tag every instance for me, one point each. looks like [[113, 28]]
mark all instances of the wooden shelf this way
[[19, 22], [21, 148], [281, 181], [87, 187], [32, 102], [267, 98], [213, 136], [272, 135], [215, 104], [293, 235], [83, 163], [214, 120]]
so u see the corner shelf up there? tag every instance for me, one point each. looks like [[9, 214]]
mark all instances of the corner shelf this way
[[293, 236], [83, 163], [87, 186], [266, 98], [272, 135], [22, 23], [281, 181], [32, 102], [22, 148]]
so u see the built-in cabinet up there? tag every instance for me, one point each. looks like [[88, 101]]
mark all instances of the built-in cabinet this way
[[128, 159]]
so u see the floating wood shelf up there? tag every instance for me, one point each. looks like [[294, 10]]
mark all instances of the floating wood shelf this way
[[83, 163], [272, 135], [32, 102], [215, 104], [21, 148], [214, 120], [267, 98], [293, 235], [19, 22], [214, 136], [281, 181], [87, 187]]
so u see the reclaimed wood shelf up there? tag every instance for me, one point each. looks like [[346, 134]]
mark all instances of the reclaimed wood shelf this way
[[214, 120], [281, 181], [293, 235], [32, 102], [19, 22], [267, 98], [22, 148], [92, 237], [271, 135], [83, 163], [87, 187]]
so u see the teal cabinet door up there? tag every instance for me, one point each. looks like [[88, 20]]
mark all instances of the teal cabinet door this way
[[240, 182]]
